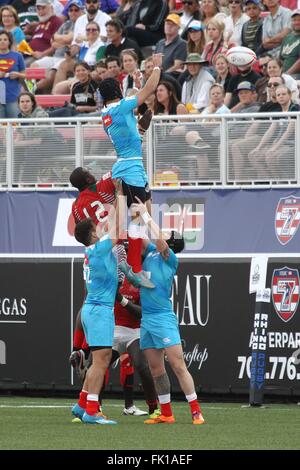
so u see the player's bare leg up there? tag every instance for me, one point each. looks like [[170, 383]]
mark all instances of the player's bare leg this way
[[95, 378], [176, 360], [141, 366]]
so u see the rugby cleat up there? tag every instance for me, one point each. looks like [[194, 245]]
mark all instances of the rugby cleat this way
[[134, 411], [136, 279], [97, 418], [79, 363], [101, 413], [161, 420], [76, 420], [198, 418], [155, 414], [77, 411]]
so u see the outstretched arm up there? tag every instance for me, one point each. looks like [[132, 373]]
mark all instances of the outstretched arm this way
[[156, 233], [152, 81], [116, 216]]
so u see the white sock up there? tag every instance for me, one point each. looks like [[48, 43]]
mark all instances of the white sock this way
[[164, 398], [191, 397], [92, 397]]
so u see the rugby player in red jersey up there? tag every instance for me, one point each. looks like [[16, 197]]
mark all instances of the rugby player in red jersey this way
[[94, 196]]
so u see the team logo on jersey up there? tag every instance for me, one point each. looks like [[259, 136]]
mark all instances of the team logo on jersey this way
[[287, 218], [285, 292], [107, 120], [185, 215]]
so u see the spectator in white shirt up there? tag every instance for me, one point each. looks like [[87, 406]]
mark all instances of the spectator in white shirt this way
[[93, 13], [195, 90], [276, 26], [234, 23]]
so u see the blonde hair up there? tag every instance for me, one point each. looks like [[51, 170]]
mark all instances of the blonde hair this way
[[220, 25], [285, 88]]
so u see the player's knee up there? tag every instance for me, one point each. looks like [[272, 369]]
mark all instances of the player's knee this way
[[178, 366]]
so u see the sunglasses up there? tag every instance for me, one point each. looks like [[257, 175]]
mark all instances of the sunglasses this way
[[74, 10], [274, 84], [237, 2], [188, 3], [92, 30], [92, 1]]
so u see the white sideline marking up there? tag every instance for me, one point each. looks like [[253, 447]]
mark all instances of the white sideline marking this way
[[122, 406]]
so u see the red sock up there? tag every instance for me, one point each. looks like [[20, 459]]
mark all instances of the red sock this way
[[82, 399], [84, 344], [126, 368], [106, 379], [134, 257], [166, 409], [92, 407], [78, 338], [195, 407]]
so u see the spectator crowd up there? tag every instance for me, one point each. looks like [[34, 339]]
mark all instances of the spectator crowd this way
[[78, 43]]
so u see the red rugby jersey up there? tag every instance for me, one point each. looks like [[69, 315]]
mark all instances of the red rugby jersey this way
[[122, 316], [93, 201]]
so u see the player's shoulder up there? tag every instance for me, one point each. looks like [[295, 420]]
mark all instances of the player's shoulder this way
[[129, 102]]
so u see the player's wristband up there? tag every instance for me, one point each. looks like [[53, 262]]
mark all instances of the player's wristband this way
[[124, 302], [146, 217]]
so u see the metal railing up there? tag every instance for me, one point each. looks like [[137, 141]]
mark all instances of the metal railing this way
[[178, 151]]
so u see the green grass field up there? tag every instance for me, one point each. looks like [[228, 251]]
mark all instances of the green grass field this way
[[34, 423]]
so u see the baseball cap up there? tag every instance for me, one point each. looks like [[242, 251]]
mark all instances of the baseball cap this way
[[43, 2], [195, 25], [256, 2], [77, 3], [246, 86], [295, 12], [174, 18]]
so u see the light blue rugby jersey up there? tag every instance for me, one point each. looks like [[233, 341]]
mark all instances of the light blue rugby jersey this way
[[158, 300], [120, 124], [100, 273]]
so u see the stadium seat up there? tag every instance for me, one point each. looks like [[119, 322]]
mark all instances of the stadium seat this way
[[48, 101], [35, 73]]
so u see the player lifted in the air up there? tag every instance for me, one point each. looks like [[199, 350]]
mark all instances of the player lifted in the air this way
[[120, 124]]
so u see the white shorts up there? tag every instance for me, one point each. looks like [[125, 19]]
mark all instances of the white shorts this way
[[49, 62], [123, 337]]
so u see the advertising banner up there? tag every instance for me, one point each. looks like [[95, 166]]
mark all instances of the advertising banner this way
[[214, 222], [211, 299], [35, 321]]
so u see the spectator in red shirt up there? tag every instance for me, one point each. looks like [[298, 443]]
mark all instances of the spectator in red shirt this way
[[40, 41]]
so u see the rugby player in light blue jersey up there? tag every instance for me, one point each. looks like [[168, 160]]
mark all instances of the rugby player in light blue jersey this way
[[120, 124], [97, 314], [159, 327]]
